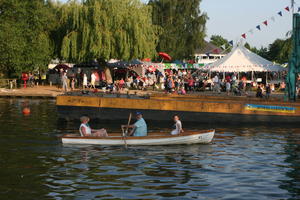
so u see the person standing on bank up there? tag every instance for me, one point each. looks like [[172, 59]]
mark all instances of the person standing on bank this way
[[177, 126], [139, 128], [65, 82]]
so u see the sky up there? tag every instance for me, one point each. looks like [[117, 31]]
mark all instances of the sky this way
[[232, 18]]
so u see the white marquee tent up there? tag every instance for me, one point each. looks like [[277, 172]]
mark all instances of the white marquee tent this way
[[240, 59]]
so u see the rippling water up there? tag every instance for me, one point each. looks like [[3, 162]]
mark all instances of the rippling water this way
[[241, 163]]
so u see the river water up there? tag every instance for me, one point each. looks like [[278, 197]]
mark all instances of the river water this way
[[241, 163]]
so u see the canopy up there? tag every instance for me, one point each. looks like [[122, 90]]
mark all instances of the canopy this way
[[240, 59]]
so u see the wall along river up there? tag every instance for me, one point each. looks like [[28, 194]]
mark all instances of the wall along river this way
[[241, 163]]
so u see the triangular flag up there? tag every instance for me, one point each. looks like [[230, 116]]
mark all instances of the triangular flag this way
[[223, 46], [244, 36], [265, 23], [258, 27], [287, 9], [207, 54], [273, 19], [280, 13], [251, 31], [298, 9], [231, 42]]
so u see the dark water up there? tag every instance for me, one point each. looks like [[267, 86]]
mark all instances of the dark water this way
[[242, 163]]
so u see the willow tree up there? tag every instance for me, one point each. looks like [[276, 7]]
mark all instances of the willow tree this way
[[183, 26], [105, 29]]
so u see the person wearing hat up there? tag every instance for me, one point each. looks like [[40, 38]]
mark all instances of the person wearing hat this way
[[139, 128]]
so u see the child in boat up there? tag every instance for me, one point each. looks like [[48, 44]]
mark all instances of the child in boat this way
[[86, 131], [177, 126]]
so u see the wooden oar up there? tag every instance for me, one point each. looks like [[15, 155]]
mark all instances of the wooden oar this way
[[126, 131]]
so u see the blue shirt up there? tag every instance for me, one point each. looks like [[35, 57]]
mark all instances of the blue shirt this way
[[141, 128]]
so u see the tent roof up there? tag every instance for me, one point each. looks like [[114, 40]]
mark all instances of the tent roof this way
[[240, 59]]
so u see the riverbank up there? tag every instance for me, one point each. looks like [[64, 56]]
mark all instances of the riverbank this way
[[53, 92], [31, 92]]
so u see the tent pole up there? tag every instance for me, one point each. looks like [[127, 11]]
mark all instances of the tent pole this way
[[266, 78], [252, 76]]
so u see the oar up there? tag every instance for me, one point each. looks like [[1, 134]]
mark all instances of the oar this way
[[126, 131]]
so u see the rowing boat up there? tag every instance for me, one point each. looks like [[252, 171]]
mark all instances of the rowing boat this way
[[159, 138]]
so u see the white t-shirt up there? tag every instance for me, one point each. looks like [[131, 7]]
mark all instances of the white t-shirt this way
[[178, 127], [216, 79], [93, 78], [85, 80], [88, 130], [228, 86]]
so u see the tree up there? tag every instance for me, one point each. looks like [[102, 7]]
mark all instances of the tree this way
[[183, 26], [25, 44], [104, 29], [219, 41], [280, 50]]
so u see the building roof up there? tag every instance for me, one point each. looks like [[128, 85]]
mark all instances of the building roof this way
[[209, 48]]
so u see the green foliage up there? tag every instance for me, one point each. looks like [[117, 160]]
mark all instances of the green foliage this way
[[279, 51], [25, 44], [219, 41], [183, 26], [104, 29]]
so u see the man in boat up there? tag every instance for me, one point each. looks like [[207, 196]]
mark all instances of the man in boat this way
[[86, 131], [177, 126], [139, 128]]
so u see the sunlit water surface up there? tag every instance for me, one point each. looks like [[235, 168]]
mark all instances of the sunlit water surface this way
[[241, 163]]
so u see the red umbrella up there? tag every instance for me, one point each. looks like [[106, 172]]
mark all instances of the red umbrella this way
[[165, 56]]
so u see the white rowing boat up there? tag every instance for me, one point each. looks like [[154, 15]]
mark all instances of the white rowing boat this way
[[190, 137]]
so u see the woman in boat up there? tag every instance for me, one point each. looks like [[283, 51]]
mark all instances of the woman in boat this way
[[86, 131], [177, 126]]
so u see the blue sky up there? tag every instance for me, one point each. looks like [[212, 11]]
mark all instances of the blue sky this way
[[232, 18]]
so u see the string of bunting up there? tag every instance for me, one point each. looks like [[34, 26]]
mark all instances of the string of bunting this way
[[265, 23]]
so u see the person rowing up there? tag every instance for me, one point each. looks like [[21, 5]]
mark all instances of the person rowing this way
[[177, 126], [139, 128], [86, 131]]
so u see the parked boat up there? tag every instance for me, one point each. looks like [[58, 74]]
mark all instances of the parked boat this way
[[208, 110], [189, 137]]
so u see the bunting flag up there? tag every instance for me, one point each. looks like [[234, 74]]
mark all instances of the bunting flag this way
[[223, 46], [266, 22], [273, 19], [287, 9], [298, 9]]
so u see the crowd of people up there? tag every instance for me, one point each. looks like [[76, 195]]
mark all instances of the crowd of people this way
[[170, 81]]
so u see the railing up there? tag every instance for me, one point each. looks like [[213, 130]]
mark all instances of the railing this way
[[8, 83]]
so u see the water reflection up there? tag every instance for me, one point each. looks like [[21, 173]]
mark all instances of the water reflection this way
[[292, 181], [242, 163]]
